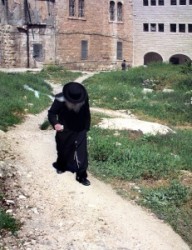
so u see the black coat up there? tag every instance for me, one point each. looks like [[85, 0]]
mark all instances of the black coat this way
[[59, 113], [72, 141]]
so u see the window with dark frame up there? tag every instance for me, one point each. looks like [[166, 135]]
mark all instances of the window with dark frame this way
[[112, 10], [173, 27], [81, 9], [173, 2], [119, 11], [38, 51], [153, 2], [71, 7], [161, 2], [189, 28], [182, 2], [119, 50], [145, 3], [145, 27], [161, 27], [182, 27], [153, 27], [84, 50]]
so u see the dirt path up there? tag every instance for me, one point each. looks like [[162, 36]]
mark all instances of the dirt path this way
[[61, 214]]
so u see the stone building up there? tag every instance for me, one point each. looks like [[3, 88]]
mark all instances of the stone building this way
[[94, 35], [162, 31], [79, 34]]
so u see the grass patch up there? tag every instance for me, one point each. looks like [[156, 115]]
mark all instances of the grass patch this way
[[172, 204], [145, 157], [8, 223], [16, 100], [159, 166], [124, 90], [58, 74]]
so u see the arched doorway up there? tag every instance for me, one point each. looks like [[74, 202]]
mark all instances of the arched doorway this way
[[179, 59], [152, 57]]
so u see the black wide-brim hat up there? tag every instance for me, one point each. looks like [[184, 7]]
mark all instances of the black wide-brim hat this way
[[74, 92]]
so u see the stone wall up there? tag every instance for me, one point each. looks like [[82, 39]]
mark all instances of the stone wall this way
[[8, 46], [164, 43], [100, 33]]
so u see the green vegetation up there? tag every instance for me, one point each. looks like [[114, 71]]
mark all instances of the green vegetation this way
[[160, 167], [124, 90], [7, 222], [140, 157], [16, 100]]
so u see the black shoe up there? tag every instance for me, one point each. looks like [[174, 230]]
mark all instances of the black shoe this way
[[83, 181], [57, 170]]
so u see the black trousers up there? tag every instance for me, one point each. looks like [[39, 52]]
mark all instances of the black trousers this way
[[72, 152]]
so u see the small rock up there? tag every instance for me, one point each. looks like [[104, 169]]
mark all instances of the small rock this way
[[9, 202]]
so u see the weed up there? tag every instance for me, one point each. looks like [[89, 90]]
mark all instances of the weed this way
[[7, 222]]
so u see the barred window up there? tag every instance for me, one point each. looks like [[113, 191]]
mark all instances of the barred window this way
[[190, 28], [173, 27], [38, 52], [161, 2], [112, 10], [119, 50], [173, 2], [71, 7], [81, 8], [182, 2], [161, 27], [153, 27], [145, 27], [84, 49], [181, 27], [145, 3], [119, 12]]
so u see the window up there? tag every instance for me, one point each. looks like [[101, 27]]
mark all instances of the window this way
[[71, 7], [153, 27], [81, 8], [161, 27], [153, 2], [181, 27], [38, 51], [119, 50], [173, 27], [182, 2], [145, 3], [84, 49], [145, 27], [119, 12], [190, 2], [190, 28], [173, 2], [161, 2], [112, 11]]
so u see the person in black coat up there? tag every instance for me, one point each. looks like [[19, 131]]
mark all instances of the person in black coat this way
[[70, 117]]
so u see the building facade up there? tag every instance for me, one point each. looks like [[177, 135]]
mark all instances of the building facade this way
[[78, 34], [162, 31], [94, 35]]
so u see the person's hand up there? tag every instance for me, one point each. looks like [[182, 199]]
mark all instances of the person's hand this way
[[59, 127]]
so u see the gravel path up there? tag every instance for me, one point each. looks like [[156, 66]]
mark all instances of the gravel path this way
[[61, 214]]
